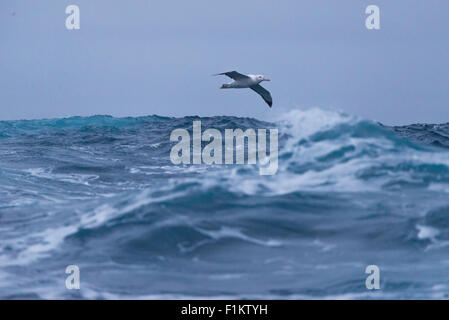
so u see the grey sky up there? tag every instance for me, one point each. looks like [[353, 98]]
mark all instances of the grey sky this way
[[156, 57]]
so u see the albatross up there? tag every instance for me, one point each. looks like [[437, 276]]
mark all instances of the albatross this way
[[248, 81]]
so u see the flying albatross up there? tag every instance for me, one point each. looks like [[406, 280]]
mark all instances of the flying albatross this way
[[248, 81]]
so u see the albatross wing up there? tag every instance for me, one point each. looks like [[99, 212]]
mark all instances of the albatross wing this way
[[265, 94], [233, 75]]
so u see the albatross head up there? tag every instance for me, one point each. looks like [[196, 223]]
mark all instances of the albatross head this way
[[262, 78]]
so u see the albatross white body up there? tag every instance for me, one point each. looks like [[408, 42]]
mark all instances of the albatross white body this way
[[251, 80], [248, 81]]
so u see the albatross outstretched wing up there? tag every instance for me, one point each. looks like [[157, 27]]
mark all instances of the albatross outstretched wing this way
[[265, 94], [233, 75]]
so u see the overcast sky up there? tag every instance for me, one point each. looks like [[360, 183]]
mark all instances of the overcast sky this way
[[145, 57]]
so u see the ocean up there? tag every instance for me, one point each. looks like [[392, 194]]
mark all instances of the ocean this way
[[101, 193]]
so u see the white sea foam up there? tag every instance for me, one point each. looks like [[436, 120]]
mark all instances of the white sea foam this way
[[72, 177], [362, 154], [427, 233]]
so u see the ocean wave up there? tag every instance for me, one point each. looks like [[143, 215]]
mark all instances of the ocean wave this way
[[101, 192]]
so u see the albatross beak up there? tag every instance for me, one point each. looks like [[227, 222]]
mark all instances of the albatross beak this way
[[266, 79]]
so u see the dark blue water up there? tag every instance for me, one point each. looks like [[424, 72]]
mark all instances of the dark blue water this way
[[101, 193]]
